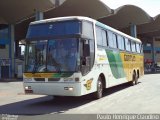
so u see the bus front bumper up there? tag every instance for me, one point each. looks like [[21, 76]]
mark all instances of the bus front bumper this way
[[57, 89]]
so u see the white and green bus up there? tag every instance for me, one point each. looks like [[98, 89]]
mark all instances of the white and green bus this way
[[75, 56]]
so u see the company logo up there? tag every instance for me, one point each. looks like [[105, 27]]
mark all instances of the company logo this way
[[129, 58], [88, 84]]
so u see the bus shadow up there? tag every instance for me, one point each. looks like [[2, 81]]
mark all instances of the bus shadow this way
[[117, 88], [48, 105], [44, 105]]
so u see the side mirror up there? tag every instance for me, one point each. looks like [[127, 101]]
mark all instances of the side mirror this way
[[86, 50], [85, 65], [86, 61]]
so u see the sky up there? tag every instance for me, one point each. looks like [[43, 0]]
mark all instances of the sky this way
[[152, 7]]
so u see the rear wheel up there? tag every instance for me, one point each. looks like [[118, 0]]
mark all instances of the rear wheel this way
[[99, 93], [134, 79]]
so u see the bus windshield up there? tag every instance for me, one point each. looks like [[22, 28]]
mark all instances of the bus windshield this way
[[55, 55], [54, 29]]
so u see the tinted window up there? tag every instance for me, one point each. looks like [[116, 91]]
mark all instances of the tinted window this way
[[4, 37], [104, 38], [112, 40], [141, 48], [2, 46], [101, 37], [87, 29], [54, 29], [138, 47], [127, 44], [133, 45], [120, 40]]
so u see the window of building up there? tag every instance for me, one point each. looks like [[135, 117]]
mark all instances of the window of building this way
[[3, 36], [120, 40], [2, 46], [4, 33]]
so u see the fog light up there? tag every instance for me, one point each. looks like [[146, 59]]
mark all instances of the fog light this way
[[68, 88], [27, 88]]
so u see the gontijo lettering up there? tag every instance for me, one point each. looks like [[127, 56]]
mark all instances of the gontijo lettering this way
[[129, 57]]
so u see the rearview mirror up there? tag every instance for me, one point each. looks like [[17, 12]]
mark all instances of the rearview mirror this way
[[86, 50]]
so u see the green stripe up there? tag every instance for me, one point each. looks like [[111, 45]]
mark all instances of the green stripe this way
[[59, 75], [116, 64]]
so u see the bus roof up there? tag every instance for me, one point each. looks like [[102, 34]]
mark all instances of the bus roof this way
[[63, 19], [58, 19]]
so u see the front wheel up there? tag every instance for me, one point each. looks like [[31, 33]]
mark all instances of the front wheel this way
[[99, 93]]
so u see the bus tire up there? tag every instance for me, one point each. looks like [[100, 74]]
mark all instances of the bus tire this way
[[99, 93], [134, 79]]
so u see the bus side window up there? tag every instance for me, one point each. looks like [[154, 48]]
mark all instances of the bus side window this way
[[133, 46], [101, 37], [110, 43], [87, 30], [120, 41], [141, 48], [138, 47], [127, 44], [112, 39], [115, 41], [104, 38]]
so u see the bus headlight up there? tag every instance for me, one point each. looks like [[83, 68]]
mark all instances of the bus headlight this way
[[28, 90], [27, 87]]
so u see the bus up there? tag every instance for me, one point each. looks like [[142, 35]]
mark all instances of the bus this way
[[75, 56]]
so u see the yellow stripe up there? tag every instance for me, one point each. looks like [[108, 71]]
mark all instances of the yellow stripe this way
[[38, 75], [132, 62]]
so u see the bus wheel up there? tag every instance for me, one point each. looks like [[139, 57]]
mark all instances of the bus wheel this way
[[98, 94], [135, 79]]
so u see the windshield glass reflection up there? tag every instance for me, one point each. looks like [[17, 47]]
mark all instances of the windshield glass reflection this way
[[52, 56]]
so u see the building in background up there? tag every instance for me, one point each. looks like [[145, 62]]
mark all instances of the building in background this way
[[15, 19]]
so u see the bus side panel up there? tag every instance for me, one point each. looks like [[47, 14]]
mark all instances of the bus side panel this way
[[132, 62], [116, 67]]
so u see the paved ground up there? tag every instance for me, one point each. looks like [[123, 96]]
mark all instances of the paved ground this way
[[142, 98]]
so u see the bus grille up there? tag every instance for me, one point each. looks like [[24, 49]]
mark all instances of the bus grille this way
[[39, 79], [53, 79]]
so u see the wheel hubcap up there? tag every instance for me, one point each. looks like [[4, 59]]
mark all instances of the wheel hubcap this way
[[100, 88]]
